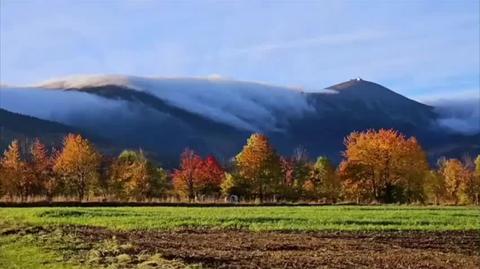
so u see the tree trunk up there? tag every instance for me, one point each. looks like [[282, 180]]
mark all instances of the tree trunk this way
[[261, 192], [81, 189]]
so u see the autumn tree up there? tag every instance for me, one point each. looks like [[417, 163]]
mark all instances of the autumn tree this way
[[475, 186], [134, 176], [186, 177], [2, 176], [15, 178], [296, 171], [384, 165], [325, 179], [471, 187], [236, 185], [477, 166], [104, 186], [259, 165], [456, 176], [211, 176], [288, 191], [434, 186], [78, 164], [42, 170], [355, 186]]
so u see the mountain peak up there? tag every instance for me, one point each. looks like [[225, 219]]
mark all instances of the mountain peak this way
[[356, 83], [372, 93]]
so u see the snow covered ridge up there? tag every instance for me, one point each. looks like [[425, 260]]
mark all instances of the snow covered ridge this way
[[245, 105]]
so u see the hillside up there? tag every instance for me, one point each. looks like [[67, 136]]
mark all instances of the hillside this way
[[26, 129], [166, 115]]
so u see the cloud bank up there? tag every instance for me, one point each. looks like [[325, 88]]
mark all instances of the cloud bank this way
[[459, 115], [111, 117], [244, 105]]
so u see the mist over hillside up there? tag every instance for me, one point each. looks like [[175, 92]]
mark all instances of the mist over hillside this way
[[459, 115], [215, 115]]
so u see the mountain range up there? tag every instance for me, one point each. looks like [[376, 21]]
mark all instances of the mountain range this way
[[216, 116]]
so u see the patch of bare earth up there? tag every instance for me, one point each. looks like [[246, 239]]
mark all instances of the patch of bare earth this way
[[242, 249]]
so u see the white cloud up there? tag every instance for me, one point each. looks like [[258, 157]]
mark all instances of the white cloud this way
[[324, 40], [459, 115], [245, 105]]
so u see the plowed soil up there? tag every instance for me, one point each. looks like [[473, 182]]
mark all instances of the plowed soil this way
[[243, 249]]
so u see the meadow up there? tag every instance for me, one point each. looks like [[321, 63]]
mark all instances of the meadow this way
[[334, 218], [240, 237]]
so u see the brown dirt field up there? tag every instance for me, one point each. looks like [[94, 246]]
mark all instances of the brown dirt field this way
[[243, 249]]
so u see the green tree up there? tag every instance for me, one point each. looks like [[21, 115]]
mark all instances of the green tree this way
[[434, 186], [325, 179], [133, 176], [296, 171], [235, 185]]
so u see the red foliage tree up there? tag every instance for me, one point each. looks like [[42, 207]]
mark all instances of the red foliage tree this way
[[197, 177], [211, 176], [186, 177]]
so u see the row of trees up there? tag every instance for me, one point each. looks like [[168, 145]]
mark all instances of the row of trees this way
[[378, 166]]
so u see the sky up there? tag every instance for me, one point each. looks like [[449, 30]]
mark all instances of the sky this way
[[422, 49]]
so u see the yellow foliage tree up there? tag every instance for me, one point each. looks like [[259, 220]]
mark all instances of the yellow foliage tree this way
[[259, 165], [390, 166], [78, 163], [456, 177], [475, 186]]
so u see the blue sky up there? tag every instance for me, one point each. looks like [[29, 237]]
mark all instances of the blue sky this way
[[422, 49]]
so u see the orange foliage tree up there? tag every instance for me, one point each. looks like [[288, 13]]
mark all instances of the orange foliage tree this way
[[456, 177], [78, 164], [42, 170], [259, 165], [384, 166], [132, 175], [15, 179]]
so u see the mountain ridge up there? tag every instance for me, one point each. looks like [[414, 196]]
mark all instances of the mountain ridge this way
[[217, 116]]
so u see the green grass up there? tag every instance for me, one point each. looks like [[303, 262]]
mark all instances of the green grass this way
[[21, 253], [51, 249], [254, 218]]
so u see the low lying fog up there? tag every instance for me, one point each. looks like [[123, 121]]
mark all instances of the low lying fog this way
[[460, 115]]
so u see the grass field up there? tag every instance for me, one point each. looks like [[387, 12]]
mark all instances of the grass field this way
[[255, 218], [240, 237]]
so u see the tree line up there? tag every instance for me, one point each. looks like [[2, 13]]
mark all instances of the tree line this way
[[380, 166]]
